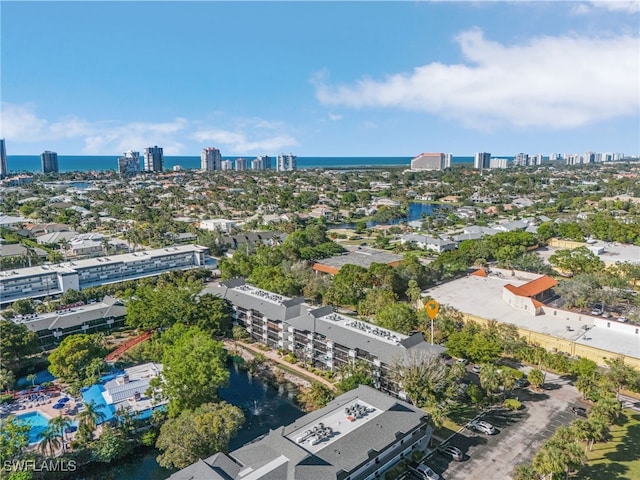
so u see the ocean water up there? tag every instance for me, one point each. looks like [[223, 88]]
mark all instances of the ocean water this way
[[79, 163]]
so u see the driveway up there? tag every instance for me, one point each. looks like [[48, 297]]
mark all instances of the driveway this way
[[520, 434]]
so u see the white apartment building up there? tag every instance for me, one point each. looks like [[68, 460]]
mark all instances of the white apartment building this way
[[210, 159], [47, 280], [429, 161], [218, 224], [287, 163]]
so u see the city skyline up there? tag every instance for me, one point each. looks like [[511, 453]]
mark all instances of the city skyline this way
[[321, 78]]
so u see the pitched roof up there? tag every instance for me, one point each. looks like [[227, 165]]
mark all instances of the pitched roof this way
[[534, 287], [481, 272]]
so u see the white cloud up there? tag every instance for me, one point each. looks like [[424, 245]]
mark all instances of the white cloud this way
[[559, 82], [21, 124], [335, 116], [239, 143], [625, 6]]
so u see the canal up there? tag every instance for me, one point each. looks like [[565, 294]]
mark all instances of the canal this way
[[265, 408]]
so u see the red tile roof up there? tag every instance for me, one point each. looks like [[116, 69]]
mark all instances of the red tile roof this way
[[534, 287]]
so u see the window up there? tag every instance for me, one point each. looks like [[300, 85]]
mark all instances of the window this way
[[608, 324]]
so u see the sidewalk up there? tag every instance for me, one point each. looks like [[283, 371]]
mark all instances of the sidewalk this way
[[274, 357]]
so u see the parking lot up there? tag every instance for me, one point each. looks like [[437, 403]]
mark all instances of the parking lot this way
[[520, 434]]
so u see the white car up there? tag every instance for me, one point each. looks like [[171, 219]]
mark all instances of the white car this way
[[476, 369], [482, 426], [426, 473]]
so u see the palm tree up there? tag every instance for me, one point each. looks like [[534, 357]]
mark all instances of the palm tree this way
[[50, 440], [60, 424], [7, 379], [32, 378], [489, 378], [91, 416]]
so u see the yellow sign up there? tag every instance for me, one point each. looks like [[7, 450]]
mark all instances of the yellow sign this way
[[432, 308]]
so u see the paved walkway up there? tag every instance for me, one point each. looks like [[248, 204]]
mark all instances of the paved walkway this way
[[274, 357]]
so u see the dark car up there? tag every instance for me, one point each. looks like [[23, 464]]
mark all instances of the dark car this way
[[579, 411], [522, 383], [454, 453]]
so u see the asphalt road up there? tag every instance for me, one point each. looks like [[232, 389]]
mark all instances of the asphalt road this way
[[520, 435]]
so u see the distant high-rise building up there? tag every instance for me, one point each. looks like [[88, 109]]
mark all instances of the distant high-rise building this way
[[482, 160], [448, 160], [241, 164], [537, 159], [153, 159], [129, 163], [4, 171], [287, 163], [498, 163], [521, 159], [429, 161], [49, 162], [226, 165], [210, 159], [261, 163]]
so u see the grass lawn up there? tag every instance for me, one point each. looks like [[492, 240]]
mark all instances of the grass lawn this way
[[619, 458]]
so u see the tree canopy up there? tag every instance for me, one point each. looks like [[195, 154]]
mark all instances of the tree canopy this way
[[16, 342], [198, 433], [193, 368], [78, 359]]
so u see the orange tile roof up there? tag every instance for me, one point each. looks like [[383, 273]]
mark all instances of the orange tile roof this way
[[325, 268], [481, 272], [539, 285], [534, 287]]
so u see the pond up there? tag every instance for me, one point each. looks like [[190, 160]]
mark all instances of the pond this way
[[415, 211], [264, 407]]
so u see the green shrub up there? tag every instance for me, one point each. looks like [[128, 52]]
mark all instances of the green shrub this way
[[512, 404], [8, 398]]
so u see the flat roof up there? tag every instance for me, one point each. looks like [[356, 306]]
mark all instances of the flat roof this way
[[323, 431], [262, 294], [365, 328], [361, 256], [482, 297]]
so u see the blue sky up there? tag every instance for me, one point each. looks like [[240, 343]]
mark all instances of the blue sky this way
[[320, 78]]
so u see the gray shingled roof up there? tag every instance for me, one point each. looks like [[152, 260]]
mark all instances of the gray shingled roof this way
[[343, 454], [284, 310], [109, 307], [386, 352]]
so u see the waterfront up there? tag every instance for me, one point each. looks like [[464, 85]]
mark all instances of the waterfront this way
[[265, 408], [80, 163]]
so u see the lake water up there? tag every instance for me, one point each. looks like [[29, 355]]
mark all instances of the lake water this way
[[415, 211], [265, 408]]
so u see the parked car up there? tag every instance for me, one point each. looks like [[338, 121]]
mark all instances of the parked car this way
[[463, 361], [598, 309], [582, 412], [426, 472], [452, 452], [476, 369], [623, 319], [522, 383], [482, 426]]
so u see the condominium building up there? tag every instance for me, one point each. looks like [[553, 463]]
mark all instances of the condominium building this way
[[4, 171], [226, 165], [319, 336], [210, 159], [482, 161], [429, 161], [498, 163], [261, 163], [357, 436], [49, 161], [521, 159], [129, 163], [241, 164], [51, 327], [153, 159], [47, 280], [287, 163]]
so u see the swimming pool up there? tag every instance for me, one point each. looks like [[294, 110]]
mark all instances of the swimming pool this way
[[38, 423]]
